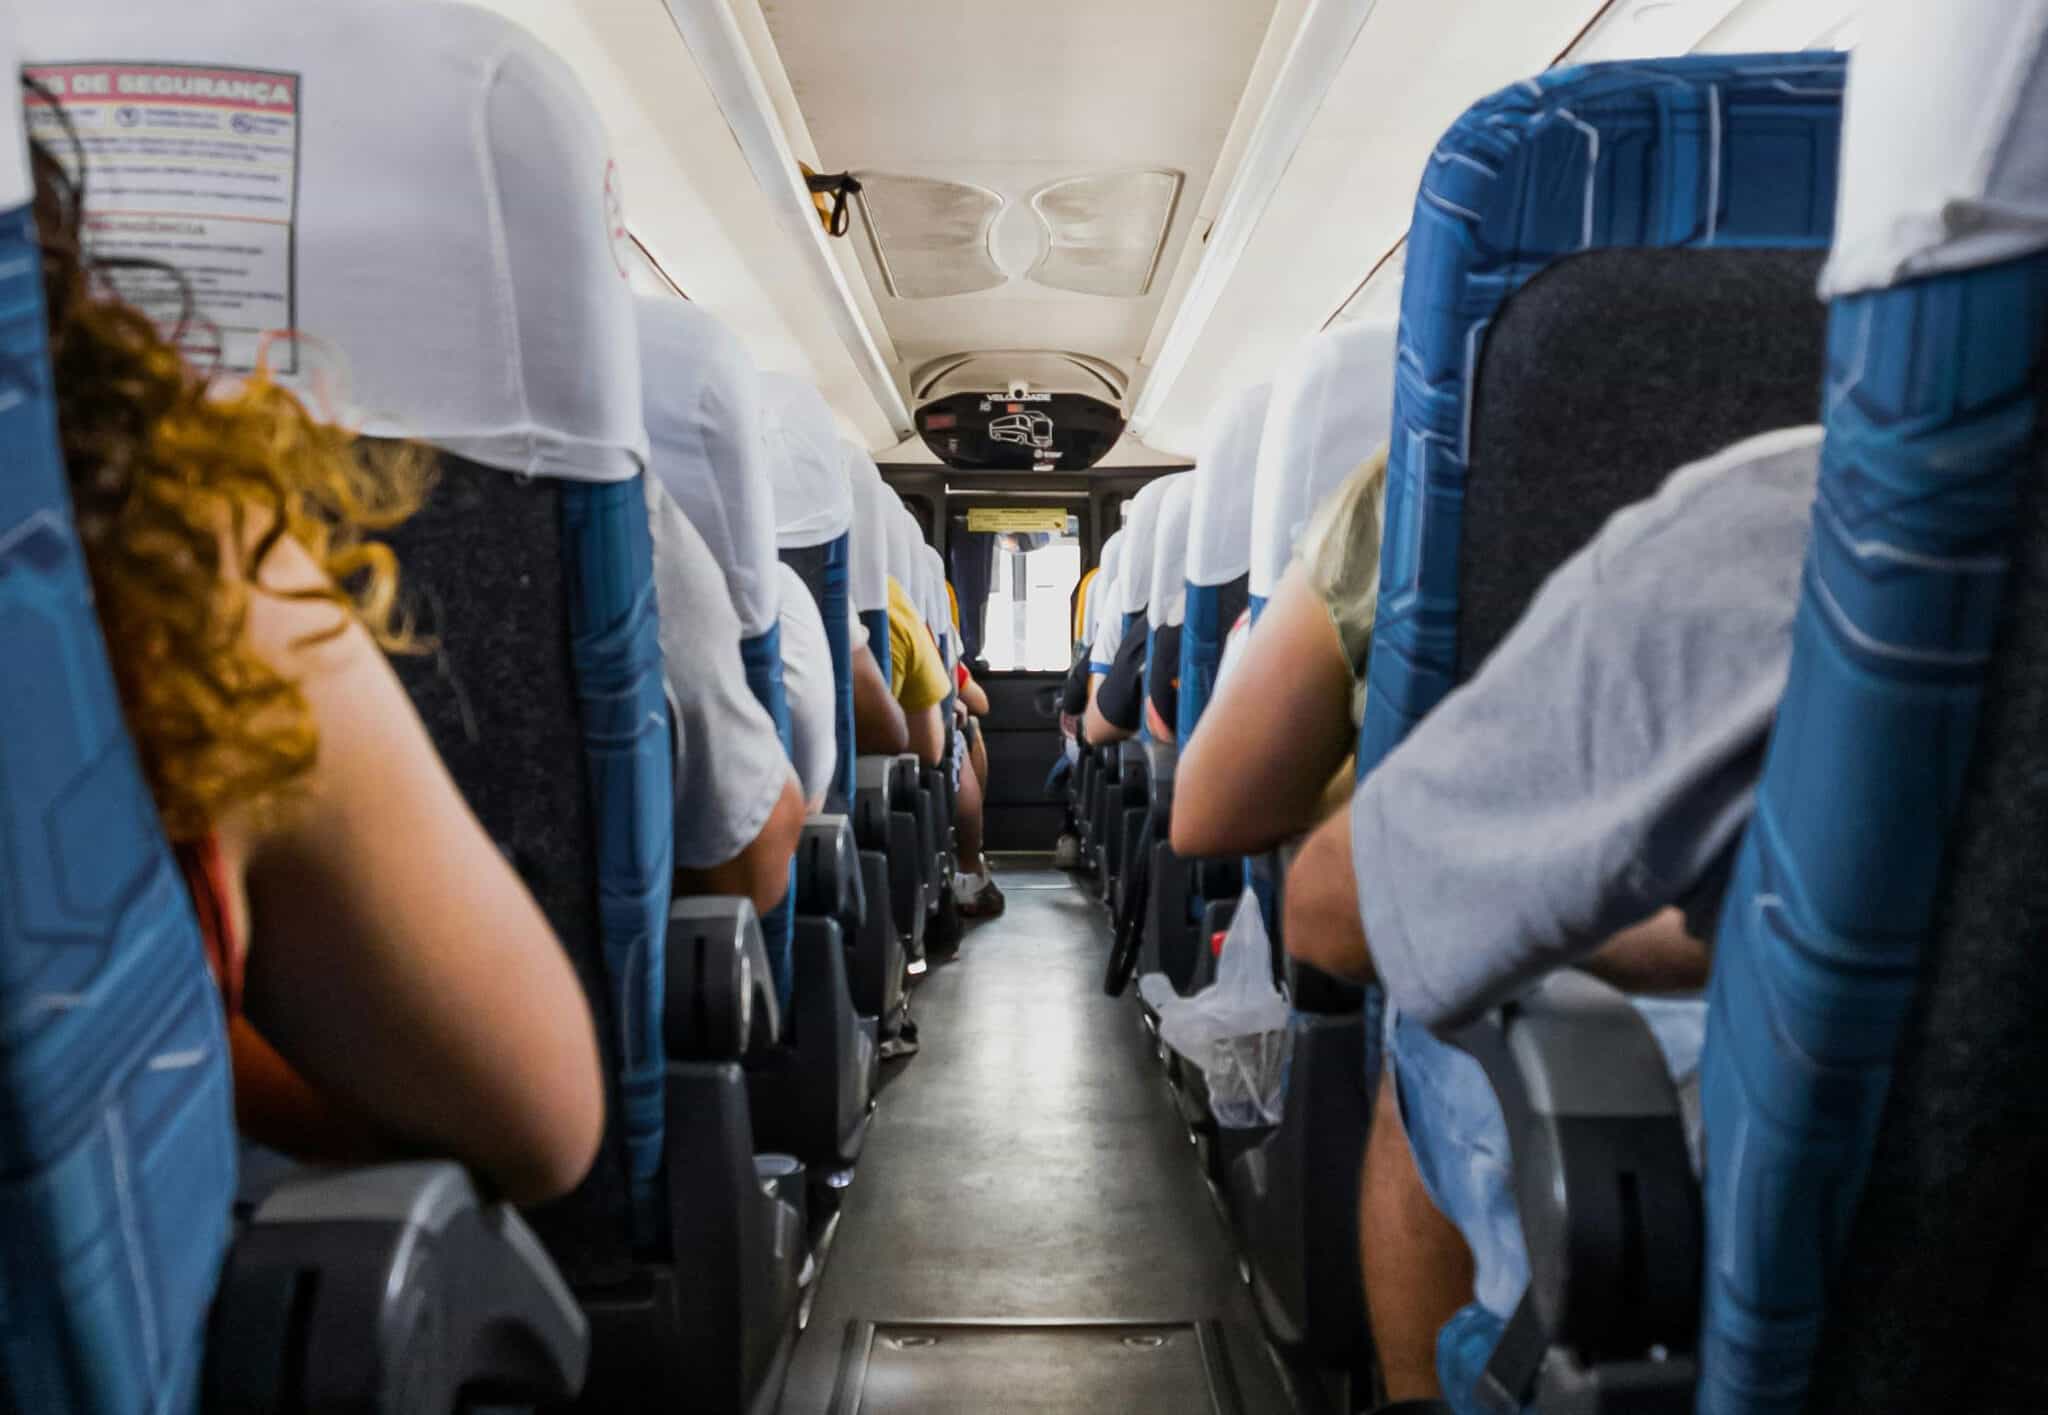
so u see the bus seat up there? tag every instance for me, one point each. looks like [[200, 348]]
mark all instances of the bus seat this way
[[941, 782], [701, 394], [1085, 785], [873, 506], [1219, 553], [128, 1290], [813, 526], [1911, 705], [475, 297], [811, 1098], [1128, 810], [876, 959], [1572, 332], [913, 883], [720, 1337], [1170, 945], [1331, 408], [869, 580]]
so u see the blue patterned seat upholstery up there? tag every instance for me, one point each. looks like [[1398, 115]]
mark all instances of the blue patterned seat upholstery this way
[[1693, 153], [118, 1147]]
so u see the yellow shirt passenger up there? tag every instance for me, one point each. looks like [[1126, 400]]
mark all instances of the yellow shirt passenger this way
[[916, 676]]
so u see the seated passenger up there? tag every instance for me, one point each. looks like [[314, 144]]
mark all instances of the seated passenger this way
[[974, 885], [739, 809], [376, 954], [1116, 697], [807, 680], [917, 677], [1304, 665], [1587, 787], [879, 726], [1073, 702]]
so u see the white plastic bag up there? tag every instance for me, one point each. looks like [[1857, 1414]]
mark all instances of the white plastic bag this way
[[1236, 1029]]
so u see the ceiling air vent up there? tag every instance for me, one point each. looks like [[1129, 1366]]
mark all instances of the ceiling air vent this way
[[1106, 231], [930, 237]]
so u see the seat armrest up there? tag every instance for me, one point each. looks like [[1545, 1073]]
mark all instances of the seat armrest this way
[[828, 870], [1604, 1185], [388, 1288], [871, 772], [719, 1003]]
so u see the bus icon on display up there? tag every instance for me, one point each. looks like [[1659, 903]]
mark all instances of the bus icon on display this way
[[1022, 429]]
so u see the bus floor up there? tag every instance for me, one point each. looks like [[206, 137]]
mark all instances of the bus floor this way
[[1027, 1167]]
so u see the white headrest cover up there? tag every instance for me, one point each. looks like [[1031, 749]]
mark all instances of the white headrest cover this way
[[813, 496], [1136, 574], [872, 499], [1169, 595], [1220, 526], [1103, 594], [1945, 142], [1332, 407], [703, 401], [16, 187], [937, 609], [444, 222], [905, 536]]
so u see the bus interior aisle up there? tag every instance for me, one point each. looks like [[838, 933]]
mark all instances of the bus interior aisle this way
[[1029, 1231]]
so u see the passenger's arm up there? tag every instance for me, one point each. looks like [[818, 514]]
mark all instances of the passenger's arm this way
[[1101, 731], [760, 871], [1321, 921], [1276, 732], [1117, 705], [1160, 728], [879, 728], [1659, 955], [395, 958], [975, 698], [927, 734]]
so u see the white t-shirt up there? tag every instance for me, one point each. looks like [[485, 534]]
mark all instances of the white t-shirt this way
[[730, 767], [807, 680]]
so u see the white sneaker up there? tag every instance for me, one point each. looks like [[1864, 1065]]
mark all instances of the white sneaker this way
[[1067, 854]]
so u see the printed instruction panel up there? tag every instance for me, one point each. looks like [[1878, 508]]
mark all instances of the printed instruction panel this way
[[193, 170]]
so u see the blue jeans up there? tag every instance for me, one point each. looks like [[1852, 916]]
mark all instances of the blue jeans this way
[[1460, 1142]]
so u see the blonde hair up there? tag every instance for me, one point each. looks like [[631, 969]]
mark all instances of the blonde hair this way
[[1340, 554]]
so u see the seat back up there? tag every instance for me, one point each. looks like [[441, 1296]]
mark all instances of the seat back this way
[[1897, 836], [814, 504], [935, 606], [1135, 574], [454, 253], [702, 397], [1676, 205], [116, 1133], [1219, 553], [872, 504], [1104, 597], [1169, 594], [1332, 407]]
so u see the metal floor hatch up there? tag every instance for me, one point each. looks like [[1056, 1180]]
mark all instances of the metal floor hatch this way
[[1034, 1368]]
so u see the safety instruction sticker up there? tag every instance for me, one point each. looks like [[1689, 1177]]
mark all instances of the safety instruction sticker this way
[[192, 174]]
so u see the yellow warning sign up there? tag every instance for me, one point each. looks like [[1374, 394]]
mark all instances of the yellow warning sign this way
[[1002, 520]]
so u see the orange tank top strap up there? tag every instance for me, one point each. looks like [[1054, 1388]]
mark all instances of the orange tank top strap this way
[[206, 881]]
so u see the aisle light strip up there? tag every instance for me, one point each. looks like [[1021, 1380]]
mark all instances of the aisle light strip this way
[[1320, 47], [712, 36]]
